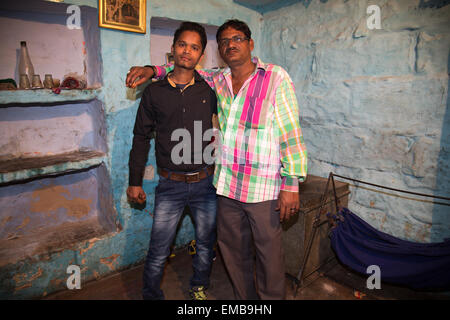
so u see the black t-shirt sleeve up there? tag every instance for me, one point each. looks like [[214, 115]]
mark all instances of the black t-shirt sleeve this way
[[144, 128]]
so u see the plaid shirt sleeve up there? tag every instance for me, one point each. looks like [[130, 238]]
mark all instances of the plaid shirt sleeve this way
[[161, 71], [293, 154]]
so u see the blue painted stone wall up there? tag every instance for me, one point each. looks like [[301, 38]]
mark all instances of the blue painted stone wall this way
[[374, 103], [374, 106]]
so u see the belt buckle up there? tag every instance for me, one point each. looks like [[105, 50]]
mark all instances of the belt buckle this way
[[189, 175]]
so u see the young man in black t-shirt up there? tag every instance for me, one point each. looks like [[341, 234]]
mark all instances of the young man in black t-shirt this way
[[180, 106]]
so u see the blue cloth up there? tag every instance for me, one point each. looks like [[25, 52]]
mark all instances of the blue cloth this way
[[170, 199], [416, 265]]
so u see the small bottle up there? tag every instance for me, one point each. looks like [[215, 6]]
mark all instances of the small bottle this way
[[25, 65]]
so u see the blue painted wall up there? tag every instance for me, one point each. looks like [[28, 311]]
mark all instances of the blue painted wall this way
[[374, 103], [374, 106]]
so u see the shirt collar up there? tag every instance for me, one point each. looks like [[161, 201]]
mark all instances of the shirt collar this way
[[173, 84], [259, 65]]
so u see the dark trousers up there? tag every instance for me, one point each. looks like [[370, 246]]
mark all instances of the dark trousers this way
[[249, 236]]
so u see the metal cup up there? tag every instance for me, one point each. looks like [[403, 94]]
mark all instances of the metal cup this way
[[24, 82], [36, 83], [48, 81]]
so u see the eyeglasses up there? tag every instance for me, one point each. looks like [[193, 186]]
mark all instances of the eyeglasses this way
[[235, 39]]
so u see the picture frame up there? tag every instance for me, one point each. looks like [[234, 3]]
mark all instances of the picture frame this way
[[169, 58], [125, 15]]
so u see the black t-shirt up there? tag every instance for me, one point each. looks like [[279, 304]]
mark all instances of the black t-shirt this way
[[162, 110]]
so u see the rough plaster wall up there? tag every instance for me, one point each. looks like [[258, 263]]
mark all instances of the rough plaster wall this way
[[46, 215], [374, 103], [41, 131], [50, 204], [343, 74]]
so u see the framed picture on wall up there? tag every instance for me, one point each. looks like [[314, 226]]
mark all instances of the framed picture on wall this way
[[169, 58], [126, 15]]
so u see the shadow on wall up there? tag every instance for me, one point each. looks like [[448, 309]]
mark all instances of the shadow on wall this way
[[433, 3], [441, 213]]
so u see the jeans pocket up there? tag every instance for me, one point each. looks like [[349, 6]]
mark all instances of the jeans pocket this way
[[211, 184], [163, 182], [163, 179]]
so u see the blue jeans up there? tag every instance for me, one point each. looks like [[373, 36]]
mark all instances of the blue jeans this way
[[170, 199]]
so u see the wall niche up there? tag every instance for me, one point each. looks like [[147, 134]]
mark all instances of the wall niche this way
[[55, 189]]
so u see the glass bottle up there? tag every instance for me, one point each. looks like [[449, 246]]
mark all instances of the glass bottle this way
[[25, 65]]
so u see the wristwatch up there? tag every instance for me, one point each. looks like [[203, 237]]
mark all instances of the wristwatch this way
[[153, 68]]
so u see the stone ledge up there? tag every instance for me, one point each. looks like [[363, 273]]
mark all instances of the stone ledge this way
[[22, 168], [46, 96]]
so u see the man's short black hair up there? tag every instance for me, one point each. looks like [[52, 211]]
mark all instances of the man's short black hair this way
[[235, 24], [191, 26]]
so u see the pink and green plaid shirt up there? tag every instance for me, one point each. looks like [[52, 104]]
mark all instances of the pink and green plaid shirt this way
[[262, 149]]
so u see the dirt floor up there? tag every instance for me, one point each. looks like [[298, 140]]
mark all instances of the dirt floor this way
[[332, 282]]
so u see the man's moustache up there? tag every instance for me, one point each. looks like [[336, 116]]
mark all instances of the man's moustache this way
[[231, 49]]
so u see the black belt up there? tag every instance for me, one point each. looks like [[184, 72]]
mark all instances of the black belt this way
[[191, 177]]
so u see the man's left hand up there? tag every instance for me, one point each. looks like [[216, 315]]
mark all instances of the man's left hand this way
[[288, 204]]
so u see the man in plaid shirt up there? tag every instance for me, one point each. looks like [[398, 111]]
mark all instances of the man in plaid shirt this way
[[262, 159]]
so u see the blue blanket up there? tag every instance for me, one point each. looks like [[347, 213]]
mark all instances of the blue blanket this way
[[416, 265]]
